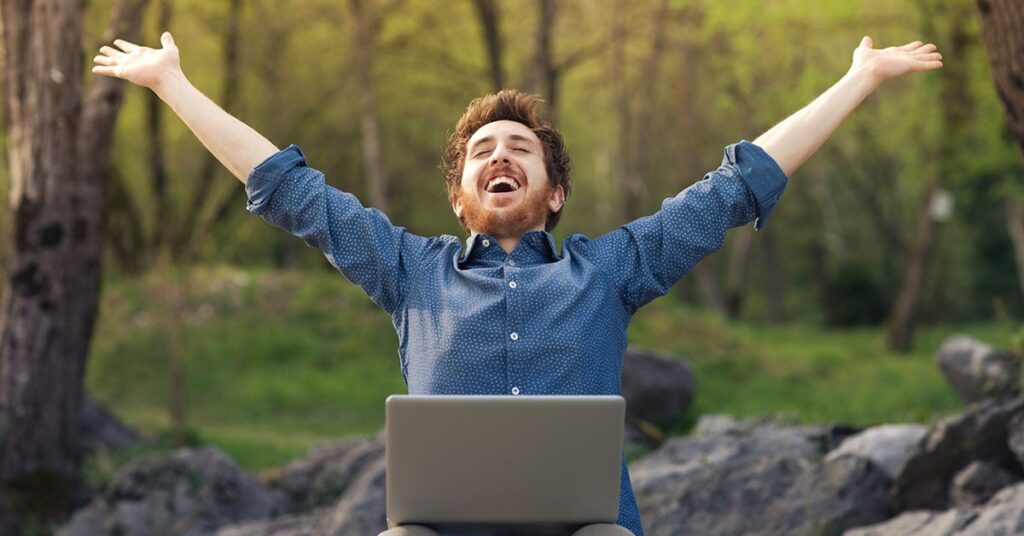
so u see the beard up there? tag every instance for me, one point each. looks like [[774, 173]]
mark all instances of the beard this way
[[515, 221]]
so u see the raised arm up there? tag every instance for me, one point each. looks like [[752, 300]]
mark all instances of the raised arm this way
[[235, 144], [794, 140]]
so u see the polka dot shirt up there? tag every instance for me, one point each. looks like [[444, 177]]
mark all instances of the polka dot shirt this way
[[478, 320]]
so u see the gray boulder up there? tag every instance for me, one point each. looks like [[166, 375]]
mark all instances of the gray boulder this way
[[1003, 514], [977, 483], [1015, 439], [322, 477], [979, 433], [977, 371], [763, 479], [888, 445], [656, 386], [101, 429], [188, 492], [360, 510]]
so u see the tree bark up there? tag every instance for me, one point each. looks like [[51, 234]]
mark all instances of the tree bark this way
[[59, 152], [490, 28], [364, 37], [1002, 23]]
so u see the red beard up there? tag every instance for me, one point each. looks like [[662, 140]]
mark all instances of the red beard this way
[[529, 214]]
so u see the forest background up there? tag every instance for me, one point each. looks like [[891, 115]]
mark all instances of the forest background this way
[[216, 328]]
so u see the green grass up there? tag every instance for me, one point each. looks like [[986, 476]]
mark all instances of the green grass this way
[[279, 361]]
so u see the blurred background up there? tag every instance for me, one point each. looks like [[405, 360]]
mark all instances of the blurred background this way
[[215, 328]]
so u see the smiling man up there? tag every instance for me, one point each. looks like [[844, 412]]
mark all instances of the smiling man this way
[[508, 313]]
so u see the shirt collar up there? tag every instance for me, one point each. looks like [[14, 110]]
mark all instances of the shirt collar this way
[[535, 247]]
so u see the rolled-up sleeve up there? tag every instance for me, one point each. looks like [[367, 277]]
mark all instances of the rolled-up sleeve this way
[[761, 174], [360, 242], [647, 256]]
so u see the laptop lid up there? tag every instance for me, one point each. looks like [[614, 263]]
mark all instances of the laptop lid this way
[[503, 459]]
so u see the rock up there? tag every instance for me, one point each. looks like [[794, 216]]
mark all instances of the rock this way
[[321, 478], [711, 484], [101, 429], [656, 386], [312, 524], [977, 371], [188, 492], [888, 445], [1015, 439], [363, 509], [979, 433], [1003, 514], [918, 522], [977, 483]]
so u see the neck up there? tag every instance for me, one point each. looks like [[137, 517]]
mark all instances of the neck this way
[[509, 242]]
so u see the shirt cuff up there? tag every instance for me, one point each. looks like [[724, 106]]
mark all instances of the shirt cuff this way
[[269, 174], [762, 175]]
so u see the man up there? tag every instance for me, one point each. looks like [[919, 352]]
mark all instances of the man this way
[[509, 314]]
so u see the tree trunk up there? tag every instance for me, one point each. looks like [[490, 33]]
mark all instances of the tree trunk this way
[[773, 264], [1015, 224], [490, 28], [902, 316], [739, 270], [205, 204], [164, 224], [1002, 23], [956, 108], [59, 151], [364, 38], [640, 139]]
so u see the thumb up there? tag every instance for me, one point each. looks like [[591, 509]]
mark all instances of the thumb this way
[[167, 40], [866, 42]]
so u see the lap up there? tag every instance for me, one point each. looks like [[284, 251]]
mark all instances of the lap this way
[[597, 529]]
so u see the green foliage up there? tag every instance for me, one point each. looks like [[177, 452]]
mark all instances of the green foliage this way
[[858, 294], [280, 361]]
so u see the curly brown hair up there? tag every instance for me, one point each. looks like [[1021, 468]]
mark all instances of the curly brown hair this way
[[510, 105]]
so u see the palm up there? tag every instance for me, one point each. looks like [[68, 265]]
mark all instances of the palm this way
[[139, 65], [891, 62]]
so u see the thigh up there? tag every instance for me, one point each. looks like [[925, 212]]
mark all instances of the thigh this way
[[409, 530], [603, 529]]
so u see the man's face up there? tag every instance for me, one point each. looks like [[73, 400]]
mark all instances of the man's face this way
[[505, 190]]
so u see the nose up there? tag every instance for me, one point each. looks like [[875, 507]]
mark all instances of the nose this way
[[500, 155]]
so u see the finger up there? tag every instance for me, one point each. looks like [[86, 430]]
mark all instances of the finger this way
[[100, 69], [934, 56], [110, 51], [167, 40], [104, 60], [125, 45], [866, 42], [930, 47], [927, 65], [910, 46]]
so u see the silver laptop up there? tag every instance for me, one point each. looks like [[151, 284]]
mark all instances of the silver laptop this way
[[503, 460]]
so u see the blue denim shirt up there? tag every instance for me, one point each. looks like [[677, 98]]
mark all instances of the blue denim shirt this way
[[477, 320]]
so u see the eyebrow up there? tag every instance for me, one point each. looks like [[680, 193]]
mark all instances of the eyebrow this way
[[485, 139]]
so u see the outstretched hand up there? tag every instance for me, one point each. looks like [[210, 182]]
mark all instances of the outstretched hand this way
[[886, 63], [139, 65]]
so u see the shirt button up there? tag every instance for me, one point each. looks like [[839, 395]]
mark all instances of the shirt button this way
[[487, 243], [515, 336], [511, 262], [515, 390], [512, 284]]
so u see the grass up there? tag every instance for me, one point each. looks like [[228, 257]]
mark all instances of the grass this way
[[279, 361]]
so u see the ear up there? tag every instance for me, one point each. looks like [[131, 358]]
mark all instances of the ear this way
[[457, 206], [557, 199]]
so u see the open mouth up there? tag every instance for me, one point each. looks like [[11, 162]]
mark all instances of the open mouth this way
[[501, 184]]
